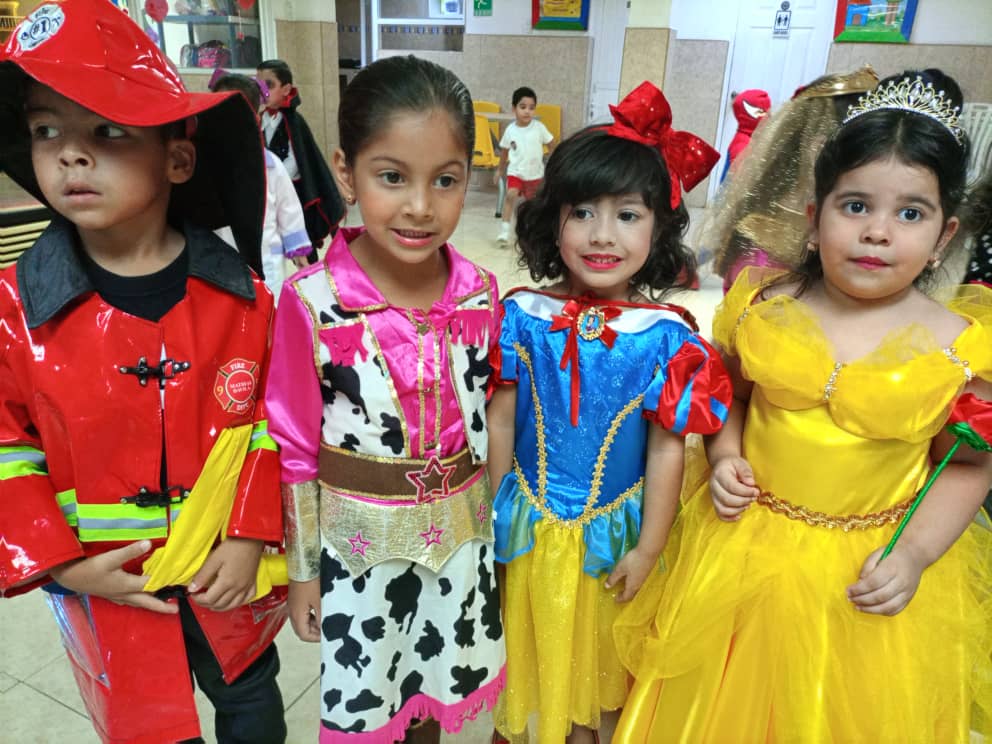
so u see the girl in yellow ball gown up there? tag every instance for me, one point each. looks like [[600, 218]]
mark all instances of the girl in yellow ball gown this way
[[777, 621]]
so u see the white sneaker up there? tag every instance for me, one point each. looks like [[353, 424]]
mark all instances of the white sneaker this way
[[504, 235]]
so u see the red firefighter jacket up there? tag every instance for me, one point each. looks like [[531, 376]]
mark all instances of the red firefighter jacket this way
[[91, 398]]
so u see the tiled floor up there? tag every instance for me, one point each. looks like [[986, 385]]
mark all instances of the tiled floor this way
[[39, 703]]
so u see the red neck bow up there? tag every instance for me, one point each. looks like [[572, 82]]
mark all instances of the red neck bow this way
[[644, 116], [587, 318]]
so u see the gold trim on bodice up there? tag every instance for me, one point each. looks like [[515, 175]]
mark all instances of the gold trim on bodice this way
[[539, 500]]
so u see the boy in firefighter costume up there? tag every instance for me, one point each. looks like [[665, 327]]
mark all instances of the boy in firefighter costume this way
[[133, 354]]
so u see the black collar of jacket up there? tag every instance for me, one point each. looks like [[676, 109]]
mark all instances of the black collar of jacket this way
[[50, 274]]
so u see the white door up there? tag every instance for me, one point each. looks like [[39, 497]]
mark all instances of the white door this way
[[777, 64], [608, 23]]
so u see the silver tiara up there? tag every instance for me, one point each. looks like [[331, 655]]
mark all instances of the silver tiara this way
[[910, 95]]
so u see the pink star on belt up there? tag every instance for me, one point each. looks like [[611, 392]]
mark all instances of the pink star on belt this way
[[359, 544], [426, 492], [432, 536]]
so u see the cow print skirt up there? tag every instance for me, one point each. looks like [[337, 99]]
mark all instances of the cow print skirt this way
[[401, 643]]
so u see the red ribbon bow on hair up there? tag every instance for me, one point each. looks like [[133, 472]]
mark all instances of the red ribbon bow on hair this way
[[644, 116], [582, 317]]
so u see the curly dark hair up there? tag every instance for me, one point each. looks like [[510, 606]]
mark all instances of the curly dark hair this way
[[590, 164]]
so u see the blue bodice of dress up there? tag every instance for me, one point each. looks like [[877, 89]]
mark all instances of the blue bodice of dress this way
[[638, 365]]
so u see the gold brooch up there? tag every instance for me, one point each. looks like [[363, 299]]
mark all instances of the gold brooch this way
[[592, 323]]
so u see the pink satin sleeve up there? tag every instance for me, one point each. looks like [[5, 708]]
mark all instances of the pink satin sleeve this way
[[292, 398]]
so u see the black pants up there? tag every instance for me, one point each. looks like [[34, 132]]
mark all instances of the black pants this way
[[250, 709]]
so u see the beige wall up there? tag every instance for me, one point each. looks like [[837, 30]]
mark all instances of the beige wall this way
[[970, 66], [492, 66], [310, 48], [694, 88], [196, 81], [646, 53]]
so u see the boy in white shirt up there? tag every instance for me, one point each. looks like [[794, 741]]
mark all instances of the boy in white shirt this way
[[521, 156]]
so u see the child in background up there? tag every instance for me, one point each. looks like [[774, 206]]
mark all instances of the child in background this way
[[284, 233], [777, 621], [121, 378], [759, 218], [596, 386], [378, 403], [978, 223], [750, 108], [288, 136], [521, 156]]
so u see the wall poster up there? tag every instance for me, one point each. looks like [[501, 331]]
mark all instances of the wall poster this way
[[888, 21], [563, 15]]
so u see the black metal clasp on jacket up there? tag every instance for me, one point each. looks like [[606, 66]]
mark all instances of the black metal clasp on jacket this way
[[164, 370], [146, 497], [176, 591]]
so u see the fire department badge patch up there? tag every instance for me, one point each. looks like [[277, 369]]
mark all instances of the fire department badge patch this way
[[40, 26], [236, 384]]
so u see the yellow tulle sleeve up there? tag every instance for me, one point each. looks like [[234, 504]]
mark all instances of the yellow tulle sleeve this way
[[738, 301], [974, 301], [729, 312]]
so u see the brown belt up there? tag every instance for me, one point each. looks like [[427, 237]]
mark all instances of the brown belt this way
[[388, 478]]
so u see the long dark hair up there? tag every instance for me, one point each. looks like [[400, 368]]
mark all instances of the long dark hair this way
[[590, 164], [401, 84], [914, 139]]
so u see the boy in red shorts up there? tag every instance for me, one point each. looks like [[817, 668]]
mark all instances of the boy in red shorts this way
[[521, 156]]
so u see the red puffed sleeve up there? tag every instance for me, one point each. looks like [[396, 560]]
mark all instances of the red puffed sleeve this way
[[692, 392], [502, 356]]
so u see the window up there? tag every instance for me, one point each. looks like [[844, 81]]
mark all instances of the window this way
[[204, 34], [412, 25]]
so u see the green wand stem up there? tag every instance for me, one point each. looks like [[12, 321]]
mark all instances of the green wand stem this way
[[919, 498]]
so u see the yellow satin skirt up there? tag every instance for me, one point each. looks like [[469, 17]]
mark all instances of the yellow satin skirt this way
[[562, 666], [750, 638]]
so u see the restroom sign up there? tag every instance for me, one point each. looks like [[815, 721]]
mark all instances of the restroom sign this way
[[783, 20]]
